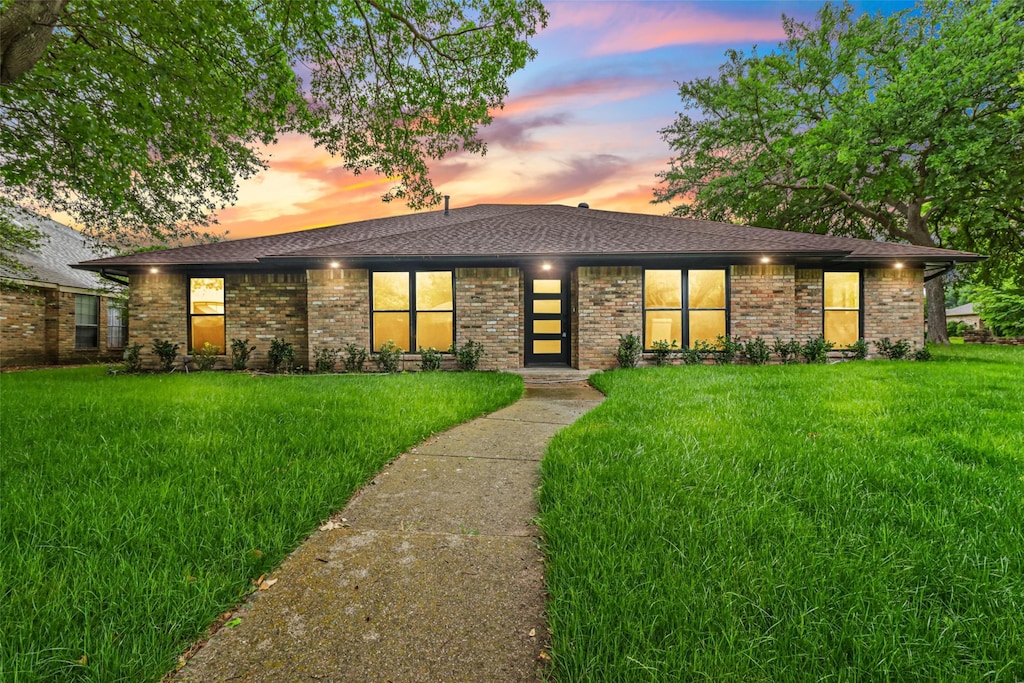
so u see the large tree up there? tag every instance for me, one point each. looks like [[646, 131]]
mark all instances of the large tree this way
[[138, 118], [903, 128]]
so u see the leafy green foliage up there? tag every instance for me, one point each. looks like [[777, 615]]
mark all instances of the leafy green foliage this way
[[355, 358], [166, 352], [893, 350], [141, 116], [133, 358], [956, 328], [816, 350], [889, 127], [206, 357], [324, 359], [696, 353], [240, 353], [756, 351], [726, 349], [468, 356], [430, 359], [922, 354], [788, 352], [858, 350], [662, 351], [1001, 308], [629, 351], [281, 355], [389, 358], [133, 505]]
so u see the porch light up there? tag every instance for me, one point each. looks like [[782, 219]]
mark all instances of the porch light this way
[[899, 265], [154, 269], [545, 266], [335, 264], [765, 259]]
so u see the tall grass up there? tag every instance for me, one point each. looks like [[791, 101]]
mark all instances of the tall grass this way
[[136, 509], [854, 522]]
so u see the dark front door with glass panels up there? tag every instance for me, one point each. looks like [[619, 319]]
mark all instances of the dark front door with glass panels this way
[[547, 320]]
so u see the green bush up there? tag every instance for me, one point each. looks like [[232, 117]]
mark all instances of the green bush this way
[[663, 351], [430, 359], [956, 328], [816, 350], [858, 350], [166, 352], [922, 354], [1001, 309], [206, 357], [240, 352], [893, 350], [756, 351], [133, 358], [389, 358], [696, 353], [355, 357], [281, 355], [325, 359], [788, 352], [630, 350], [726, 349], [468, 355]]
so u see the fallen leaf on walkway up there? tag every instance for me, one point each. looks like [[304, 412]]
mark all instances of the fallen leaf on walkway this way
[[264, 585], [533, 633], [543, 657]]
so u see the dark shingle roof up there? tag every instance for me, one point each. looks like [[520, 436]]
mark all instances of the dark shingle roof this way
[[501, 230], [60, 247]]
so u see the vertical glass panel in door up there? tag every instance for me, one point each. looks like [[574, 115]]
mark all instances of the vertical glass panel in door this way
[[547, 286], [549, 306]]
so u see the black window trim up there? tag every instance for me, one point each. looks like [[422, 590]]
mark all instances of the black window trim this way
[[412, 306], [224, 315], [91, 326], [685, 307], [860, 299]]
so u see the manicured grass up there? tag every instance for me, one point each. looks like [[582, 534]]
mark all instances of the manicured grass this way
[[137, 509], [853, 522]]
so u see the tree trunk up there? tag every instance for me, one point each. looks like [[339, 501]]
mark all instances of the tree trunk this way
[[26, 27], [935, 294]]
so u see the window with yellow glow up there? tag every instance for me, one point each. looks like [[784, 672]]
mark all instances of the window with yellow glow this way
[[206, 312], [684, 306], [413, 310], [842, 308]]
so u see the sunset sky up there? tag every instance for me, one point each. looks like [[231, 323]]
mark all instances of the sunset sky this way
[[580, 123]]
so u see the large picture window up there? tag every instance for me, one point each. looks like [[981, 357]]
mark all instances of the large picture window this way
[[206, 312], [684, 306], [87, 321], [842, 308], [413, 310]]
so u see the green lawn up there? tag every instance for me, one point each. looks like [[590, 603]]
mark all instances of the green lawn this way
[[136, 509], [853, 522]]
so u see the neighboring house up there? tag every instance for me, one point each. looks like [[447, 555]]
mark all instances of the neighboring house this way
[[537, 285], [52, 313], [964, 314]]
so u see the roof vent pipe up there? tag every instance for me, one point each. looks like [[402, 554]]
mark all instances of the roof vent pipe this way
[[583, 205], [446, 198]]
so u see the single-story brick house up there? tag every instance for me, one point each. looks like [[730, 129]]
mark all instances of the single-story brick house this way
[[51, 313], [537, 285]]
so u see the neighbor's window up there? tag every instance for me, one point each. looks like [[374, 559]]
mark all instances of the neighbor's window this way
[[684, 305], [414, 310], [117, 331], [87, 321], [206, 312], [842, 308]]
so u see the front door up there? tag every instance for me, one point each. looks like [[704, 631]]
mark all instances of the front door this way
[[547, 320]]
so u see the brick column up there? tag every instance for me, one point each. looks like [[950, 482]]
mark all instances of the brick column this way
[[894, 305], [157, 310], [338, 305], [608, 303], [262, 306], [808, 291], [762, 302], [488, 305]]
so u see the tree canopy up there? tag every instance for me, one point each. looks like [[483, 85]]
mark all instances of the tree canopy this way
[[904, 127], [138, 118]]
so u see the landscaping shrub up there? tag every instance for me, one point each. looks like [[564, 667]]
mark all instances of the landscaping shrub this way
[[389, 357], [206, 357], [240, 352], [816, 350], [166, 352], [893, 350], [1002, 308], [922, 354], [630, 350], [788, 352], [955, 328], [858, 350], [468, 355], [663, 351], [324, 359], [695, 353], [355, 358], [133, 358], [430, 359], [281, 355], [756, 351], [726, 349]]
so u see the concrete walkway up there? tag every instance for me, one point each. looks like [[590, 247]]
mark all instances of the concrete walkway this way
[[431, 573]]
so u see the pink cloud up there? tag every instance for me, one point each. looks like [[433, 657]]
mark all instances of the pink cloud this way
[[608, 89]]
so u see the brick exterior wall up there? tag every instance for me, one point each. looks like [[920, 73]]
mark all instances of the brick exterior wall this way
[[488, 309], [38, 328], [157, 310], [608, 303], [262, 306], [762, 302], [893, 305], [338, 303], [808, 292]]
